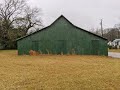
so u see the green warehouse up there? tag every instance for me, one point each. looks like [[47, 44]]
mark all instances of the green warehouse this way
[[63, 37]]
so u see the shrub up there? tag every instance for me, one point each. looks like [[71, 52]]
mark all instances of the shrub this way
[[33, 53]]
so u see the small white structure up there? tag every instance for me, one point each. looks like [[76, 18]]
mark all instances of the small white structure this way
[[116, 43], [110, 43]]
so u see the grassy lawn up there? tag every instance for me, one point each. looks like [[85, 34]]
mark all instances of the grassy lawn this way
[[114, 50], [55, 72]]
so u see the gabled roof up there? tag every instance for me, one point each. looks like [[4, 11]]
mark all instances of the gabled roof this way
[[116, 40], [55, 22]]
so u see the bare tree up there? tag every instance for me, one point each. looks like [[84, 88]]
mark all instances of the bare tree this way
[[17, 15], [96, 31], [10, 10], [31, 19], [117, 26]]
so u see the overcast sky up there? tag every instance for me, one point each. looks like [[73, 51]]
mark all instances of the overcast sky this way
[[83, 13]]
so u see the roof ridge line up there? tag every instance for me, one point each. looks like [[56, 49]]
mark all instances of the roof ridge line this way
[[53, 23]]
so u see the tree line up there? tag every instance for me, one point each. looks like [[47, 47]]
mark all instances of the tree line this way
[[109, 33]]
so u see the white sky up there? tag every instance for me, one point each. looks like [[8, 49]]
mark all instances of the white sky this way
[[83, 13]]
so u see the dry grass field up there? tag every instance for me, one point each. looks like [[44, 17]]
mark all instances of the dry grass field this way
[[55, 72], [114, 50]]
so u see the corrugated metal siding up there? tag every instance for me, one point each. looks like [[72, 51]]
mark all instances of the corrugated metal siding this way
[[62, 37]]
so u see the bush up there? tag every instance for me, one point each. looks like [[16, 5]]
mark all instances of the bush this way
[[33, 53]]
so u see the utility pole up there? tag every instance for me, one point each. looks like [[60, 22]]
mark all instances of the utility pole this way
[[101, 23]]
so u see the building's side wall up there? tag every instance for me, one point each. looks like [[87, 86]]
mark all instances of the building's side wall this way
[[75, 40]]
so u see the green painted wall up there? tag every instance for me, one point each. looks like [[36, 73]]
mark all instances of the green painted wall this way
[[62, 36]]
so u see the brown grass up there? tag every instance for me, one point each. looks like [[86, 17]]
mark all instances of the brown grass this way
[[55, 72], [114, 50]]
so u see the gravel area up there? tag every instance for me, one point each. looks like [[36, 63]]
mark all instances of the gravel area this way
[[114, 54]]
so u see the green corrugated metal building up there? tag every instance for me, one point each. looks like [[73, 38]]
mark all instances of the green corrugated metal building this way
[[63, 37]]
